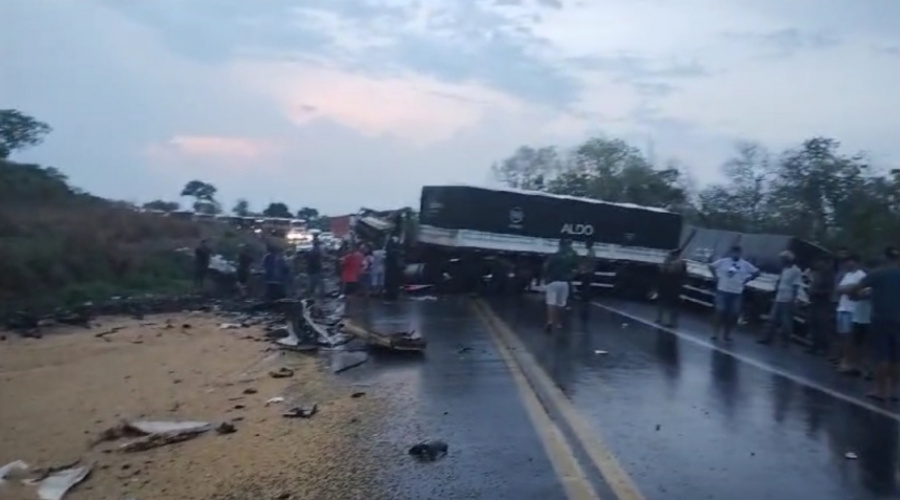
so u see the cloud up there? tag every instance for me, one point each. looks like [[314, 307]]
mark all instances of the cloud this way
[[296, 100]]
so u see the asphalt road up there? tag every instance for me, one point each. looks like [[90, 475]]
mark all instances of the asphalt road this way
[[614, 408]]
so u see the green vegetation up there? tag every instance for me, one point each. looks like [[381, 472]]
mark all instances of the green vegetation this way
[[813, 191]]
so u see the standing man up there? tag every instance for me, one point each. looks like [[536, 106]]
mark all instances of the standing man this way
[[820, 290], [376, 270], [732, 273], [392, 269], [787, 291], [244, 262], [351, 269], [884, 284], [316, 284], [845, 313], [559, 269], [672, 276], [276, 272], [587, 268], [202, 256]]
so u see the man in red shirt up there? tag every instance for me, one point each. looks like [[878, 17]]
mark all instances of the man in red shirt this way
[[351, 268]]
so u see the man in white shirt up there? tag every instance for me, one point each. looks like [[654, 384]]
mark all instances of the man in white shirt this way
[[846, 311], [731, 273], [787, 290]]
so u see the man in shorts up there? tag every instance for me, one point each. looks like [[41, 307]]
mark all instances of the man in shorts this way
[[559, 270], [844, 313], [732, 273], [884, 284], [787, 290]]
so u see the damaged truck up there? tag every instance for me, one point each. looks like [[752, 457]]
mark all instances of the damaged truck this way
[[469, 239], [700, 247]]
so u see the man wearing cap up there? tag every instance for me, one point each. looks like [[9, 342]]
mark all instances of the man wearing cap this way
[[884, 293], [787, 290], [732, 273]]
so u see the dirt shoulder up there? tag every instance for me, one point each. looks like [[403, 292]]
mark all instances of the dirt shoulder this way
[[60, 392]]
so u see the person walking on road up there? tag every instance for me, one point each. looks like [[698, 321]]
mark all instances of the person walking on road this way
[[884, 286], [787, 291], [672, 275], [732, 274], [376, 270], [559, 269]]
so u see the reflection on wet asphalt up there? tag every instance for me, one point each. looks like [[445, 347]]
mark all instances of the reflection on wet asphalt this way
[[690, 422], [461, 392]]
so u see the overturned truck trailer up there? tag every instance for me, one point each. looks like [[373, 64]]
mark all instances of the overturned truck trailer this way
[[499, 238], [700, 247]]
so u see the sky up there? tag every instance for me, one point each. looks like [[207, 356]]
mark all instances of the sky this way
[[337, 104]]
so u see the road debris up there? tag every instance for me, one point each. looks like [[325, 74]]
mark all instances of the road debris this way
[[11, 468], [56, 485], [275, 400], [282, 372], [357, 395], [429, 451], [343, 361], [599, 352], [302, 411], [399, 341], [230, 326], [850, 455], [226, 428]]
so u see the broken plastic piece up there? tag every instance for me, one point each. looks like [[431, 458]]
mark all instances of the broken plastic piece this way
[[56, 485], [229, 326], [275, 400], [850, 455], [159, 426], [598, 351]]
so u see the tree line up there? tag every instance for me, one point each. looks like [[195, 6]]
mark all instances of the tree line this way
[[814, 190]]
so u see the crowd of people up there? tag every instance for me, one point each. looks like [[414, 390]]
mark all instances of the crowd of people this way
[[362, 269], [852, 306]]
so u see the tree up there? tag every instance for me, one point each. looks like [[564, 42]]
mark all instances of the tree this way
[[601, 168], [204, 195], [277, 209], [164, 206], [529, 168], [308, 214], [740, 203], [241, 208], [19, 131]]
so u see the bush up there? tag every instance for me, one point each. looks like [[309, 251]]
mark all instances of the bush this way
[[59, 246]]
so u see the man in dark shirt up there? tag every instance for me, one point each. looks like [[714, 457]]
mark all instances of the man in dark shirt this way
[[277, 274], [884, 294], [820, 291], [202, 256], [314, 269], [672, 276], [559, 269], [244, 262]]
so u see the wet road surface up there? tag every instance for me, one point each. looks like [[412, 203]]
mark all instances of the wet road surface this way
[[463, 393], [689, 419]]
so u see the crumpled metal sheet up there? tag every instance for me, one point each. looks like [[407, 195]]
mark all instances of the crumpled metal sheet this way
[[56, 485]]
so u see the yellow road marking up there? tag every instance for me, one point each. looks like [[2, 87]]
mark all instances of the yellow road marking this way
[[566, 466], [619, 480]]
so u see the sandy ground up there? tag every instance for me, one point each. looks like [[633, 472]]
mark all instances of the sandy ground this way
[[58, 393]]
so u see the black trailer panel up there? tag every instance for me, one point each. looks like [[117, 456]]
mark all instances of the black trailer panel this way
[[540, 215], [707, 245], [763, 250]]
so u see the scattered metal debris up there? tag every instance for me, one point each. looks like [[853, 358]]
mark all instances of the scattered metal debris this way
[[10, 468], [57, 484], [302, 411]]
